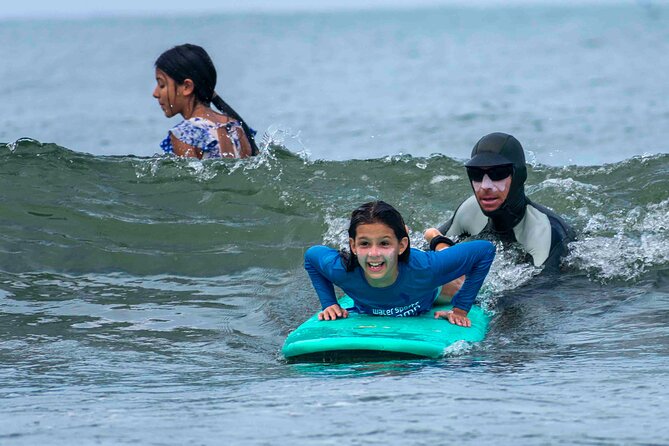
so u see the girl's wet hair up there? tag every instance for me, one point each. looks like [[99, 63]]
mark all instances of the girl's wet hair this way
[[376, 212], [192, 62]]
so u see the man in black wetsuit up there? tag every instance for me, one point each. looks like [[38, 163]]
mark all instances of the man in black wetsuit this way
[[499, 208]]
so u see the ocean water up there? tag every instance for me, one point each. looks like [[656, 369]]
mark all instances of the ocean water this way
[[576, 85], [144, 299]]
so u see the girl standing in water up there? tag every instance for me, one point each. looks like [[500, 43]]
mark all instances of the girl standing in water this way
[[185, 82], [385, 276]]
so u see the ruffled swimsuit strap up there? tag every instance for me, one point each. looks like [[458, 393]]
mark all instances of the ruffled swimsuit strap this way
[[203, 134], [196, 132], [232, 129]]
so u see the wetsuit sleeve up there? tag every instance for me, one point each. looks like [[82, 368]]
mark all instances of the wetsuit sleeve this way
[[317, 261], [472, 259], [446, 226], [467, 220]]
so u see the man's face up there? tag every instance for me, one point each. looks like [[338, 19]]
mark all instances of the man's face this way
[[491, 185]]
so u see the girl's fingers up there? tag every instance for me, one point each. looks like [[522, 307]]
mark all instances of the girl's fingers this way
[[453, 318], [332, 313]]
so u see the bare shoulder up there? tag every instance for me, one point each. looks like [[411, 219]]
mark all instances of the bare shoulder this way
[[180, 148], [219, 118]]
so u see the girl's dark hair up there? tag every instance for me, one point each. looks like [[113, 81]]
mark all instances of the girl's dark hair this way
[[376, 212], [192, 62]]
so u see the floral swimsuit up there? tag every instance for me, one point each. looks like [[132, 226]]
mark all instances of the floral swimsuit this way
[[203, 134]]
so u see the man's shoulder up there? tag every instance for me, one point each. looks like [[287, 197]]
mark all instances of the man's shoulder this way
[[541, 232], [468, 219], [470, 205], [534, 233], [558, 225], [534, 221]]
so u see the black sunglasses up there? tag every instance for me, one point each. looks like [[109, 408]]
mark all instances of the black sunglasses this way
[[495, 173]]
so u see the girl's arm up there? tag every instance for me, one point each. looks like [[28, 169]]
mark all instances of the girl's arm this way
[[448, 289], [317, 261], [473, 259]]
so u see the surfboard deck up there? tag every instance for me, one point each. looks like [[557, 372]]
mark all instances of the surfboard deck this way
[[366, 335]]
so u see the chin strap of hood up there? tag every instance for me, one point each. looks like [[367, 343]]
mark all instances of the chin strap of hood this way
[[498, 149]]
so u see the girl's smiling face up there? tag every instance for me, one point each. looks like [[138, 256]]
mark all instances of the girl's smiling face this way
[[377, 249]]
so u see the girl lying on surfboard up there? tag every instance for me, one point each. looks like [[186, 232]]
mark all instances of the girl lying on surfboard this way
[[384, 276]]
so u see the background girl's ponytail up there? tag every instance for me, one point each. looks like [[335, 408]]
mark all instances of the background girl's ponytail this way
[[223, 107]]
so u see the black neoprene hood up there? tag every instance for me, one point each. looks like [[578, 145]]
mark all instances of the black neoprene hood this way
[[497, 149]]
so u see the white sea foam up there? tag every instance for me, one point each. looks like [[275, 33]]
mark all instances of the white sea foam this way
[[571, 190], [507, 272], [458, 348], [336, 234], [441, 178], [623, 244]]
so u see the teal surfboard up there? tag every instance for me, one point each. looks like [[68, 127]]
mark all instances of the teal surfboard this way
[[366, 335]]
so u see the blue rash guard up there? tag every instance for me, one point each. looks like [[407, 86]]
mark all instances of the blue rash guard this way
[[417, 283]]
